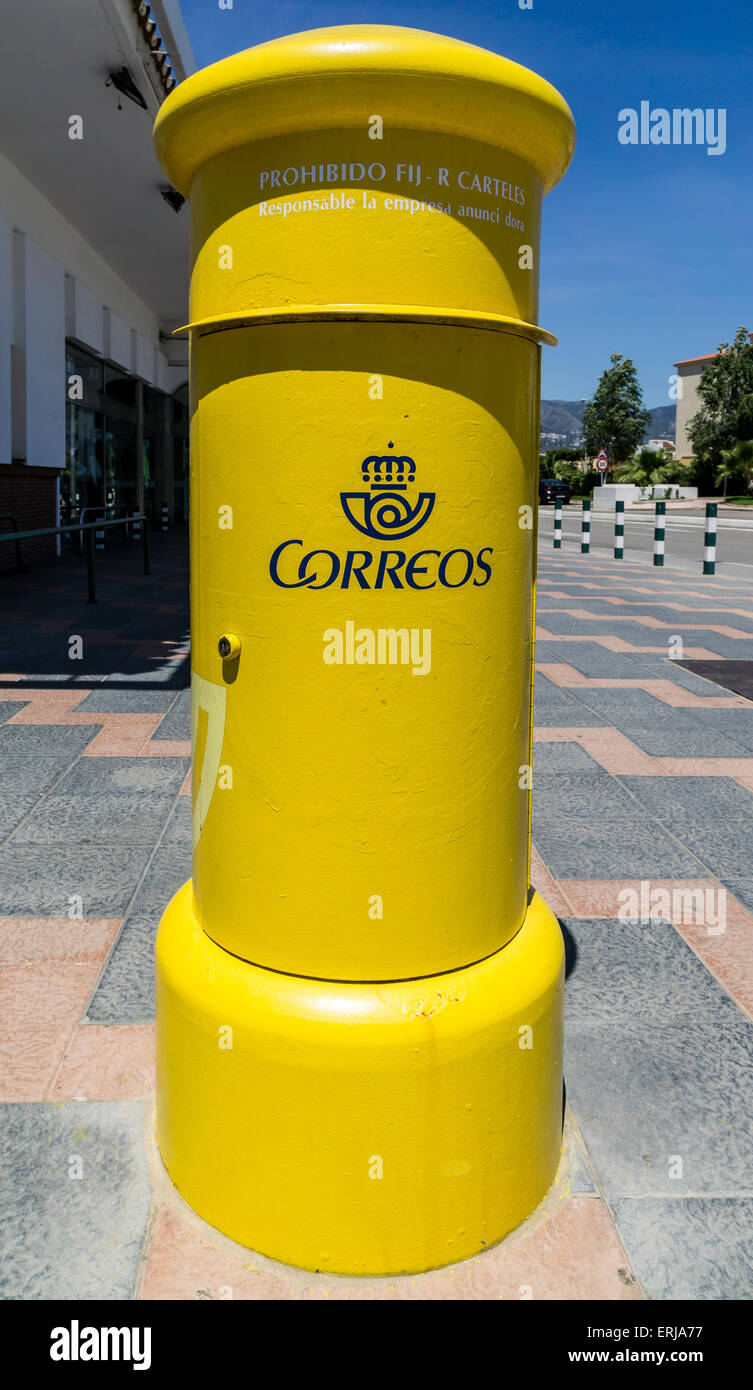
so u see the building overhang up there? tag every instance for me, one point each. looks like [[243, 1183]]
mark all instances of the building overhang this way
[[107, 184]]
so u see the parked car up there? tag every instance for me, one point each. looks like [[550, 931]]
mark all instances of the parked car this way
[[552, 490]]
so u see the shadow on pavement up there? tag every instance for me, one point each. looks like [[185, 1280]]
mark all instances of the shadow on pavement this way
[[136, 636]]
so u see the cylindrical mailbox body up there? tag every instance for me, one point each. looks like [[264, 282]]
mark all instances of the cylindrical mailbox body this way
[[377, 725], [364, 440]]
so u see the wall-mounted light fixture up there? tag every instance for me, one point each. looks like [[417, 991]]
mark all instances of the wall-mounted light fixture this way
[[122, 81], [172, 197]]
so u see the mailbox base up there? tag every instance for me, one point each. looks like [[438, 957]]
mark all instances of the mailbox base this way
[[360, 1128]]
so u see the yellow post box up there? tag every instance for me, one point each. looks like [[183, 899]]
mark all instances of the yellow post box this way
[[359, 998]]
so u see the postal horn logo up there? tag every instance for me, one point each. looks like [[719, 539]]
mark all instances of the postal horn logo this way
[[384, 512]]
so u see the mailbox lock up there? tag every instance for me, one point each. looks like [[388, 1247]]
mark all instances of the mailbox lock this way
[[229, 646]]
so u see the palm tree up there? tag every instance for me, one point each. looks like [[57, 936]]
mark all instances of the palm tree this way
[[648, 469], [736, 463]]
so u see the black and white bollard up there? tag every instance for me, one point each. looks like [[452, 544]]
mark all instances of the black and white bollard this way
[[585, 527], [99, 540], [136, 528], [619, 530], [558, 526], [661, 508], [709, 540], [164, 516]]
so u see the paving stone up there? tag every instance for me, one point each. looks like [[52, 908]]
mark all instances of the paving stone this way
[[563, 624], [595, 661], [676, 800], [689, 1248], [39, 883], [643, 973], [571, 714], [107, 800], [125, 992], [34, 773], [625, 850], [637, 707], [734, 724], [14, 806], [564, 758], [687, 739], [178, 829], [722, 848], [659, 1060], [168, 871], [579, 1178], [68, 1237], [60, 742], [547, 651], [110, 700], [740, 888], [583, 797], [120, 817], [9, 707], [662, 668], [177, 722], [545, 692], [651, 1095], [94, 776], [732, 648]]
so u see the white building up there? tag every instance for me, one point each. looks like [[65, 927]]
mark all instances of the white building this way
[[93, 263], [661, 446]]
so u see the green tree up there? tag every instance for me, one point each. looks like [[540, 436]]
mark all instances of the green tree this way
[[581, 484], [615, 418], [737, 463], [726, 395], [554, 456]]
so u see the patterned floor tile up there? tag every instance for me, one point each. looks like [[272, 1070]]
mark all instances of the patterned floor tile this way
[[706, 800], [698, 1248], [64, 879], [125, 992], [106, 800], [106, 1063], [177, 723], [74, 1196], [623, 850], [582, 797], [109, 700], [722, 848], [572, 1254]]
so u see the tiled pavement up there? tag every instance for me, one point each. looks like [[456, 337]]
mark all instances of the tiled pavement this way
[[643, 784]]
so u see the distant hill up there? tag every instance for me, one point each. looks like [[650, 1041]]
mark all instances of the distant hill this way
[[562, 424]]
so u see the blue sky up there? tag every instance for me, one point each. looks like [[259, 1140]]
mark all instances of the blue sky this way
[[647, 248]]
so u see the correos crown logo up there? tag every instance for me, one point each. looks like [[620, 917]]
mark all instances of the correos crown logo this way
[[384, 512]]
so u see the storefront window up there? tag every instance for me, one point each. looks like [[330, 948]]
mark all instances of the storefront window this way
[[107, 411], [83, 373], [120, 389], [154, 453], [120, 466], [81, 481]]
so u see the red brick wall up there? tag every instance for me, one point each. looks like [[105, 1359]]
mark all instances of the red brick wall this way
[[29, 495]]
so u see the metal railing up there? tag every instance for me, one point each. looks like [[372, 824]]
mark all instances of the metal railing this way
[[89, 527], [8, 516]]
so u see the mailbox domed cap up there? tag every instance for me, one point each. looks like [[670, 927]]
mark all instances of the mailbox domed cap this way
[[326, 78]]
